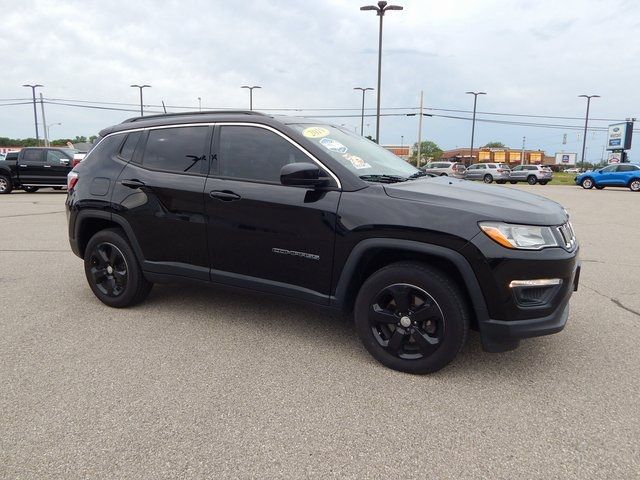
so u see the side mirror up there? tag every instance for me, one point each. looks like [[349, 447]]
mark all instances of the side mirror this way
[[302, 175]]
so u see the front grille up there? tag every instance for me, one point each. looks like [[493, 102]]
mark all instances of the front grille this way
[[567, 235]]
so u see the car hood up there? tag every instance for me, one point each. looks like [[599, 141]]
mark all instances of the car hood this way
[[488, 202]]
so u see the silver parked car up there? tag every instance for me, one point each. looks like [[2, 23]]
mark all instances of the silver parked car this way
[[531, 174], [488, 172], [447, 169]]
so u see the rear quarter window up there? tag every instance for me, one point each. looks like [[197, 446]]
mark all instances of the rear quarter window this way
[[107, 147]]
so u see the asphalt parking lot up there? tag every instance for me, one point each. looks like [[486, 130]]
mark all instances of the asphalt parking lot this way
[[201, 382]]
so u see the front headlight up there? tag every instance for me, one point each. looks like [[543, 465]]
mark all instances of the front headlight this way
[[523, 237]]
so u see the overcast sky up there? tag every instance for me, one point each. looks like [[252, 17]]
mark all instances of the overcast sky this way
[[531, 57]]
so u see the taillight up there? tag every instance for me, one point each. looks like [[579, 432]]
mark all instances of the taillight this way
[[75, 162], [72, 179]]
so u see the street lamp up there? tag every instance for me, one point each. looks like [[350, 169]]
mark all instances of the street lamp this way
[[381, 8], [362, 116], [473, 121], [586, 122], [48, 127], [141, 87], [250, 94], [420, 115], [35, 112]]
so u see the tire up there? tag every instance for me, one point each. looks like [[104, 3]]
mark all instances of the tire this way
[[544, 182], [599, 187], [512, 182], [444, 175], [487, 178], [403, 334], [112, 270], [5, 185], [532, 180], [634, 185], [587, 183], [31, 189]]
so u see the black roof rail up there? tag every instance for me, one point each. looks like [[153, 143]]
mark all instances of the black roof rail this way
[[187, 114]]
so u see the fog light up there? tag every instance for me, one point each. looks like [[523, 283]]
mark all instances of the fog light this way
[[535, 293]]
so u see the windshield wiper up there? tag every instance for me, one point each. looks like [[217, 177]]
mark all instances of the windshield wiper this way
[[418, 174], [383, 178]]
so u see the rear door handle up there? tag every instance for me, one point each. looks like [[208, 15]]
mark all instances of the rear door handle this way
[[224, 195], [132, 183], [47, 166], [23, 165]]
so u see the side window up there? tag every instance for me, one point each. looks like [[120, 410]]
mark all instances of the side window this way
[[626, 168], [610, 168], [180, 149], [482, 167], [33, 155], [107, 147], [517, 168], [254, 153], [54, 157], [492, 166], [129, 146]]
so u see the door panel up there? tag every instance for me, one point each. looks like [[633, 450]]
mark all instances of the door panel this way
[[31, 166], [57, 165], [272, 232]]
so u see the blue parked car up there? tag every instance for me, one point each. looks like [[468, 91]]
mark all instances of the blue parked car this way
[[619, 175]]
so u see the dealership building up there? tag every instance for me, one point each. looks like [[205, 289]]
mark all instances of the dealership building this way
[[498, 155]]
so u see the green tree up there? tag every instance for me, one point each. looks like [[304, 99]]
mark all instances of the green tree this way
[[79, 139], [428, 151], [495, 145]]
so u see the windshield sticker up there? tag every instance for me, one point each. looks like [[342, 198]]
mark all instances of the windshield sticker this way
[[356, 161], [315, 132], [333, 145]]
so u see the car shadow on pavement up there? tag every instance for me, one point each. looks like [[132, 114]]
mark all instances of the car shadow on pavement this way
[[293, 321]]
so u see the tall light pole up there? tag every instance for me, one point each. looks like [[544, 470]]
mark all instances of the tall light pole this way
[[141, 87], [250, 94], [35, 111], [362, 115], [48, 128], [586, 122], [420, 115], [381, 8], [473, 121]]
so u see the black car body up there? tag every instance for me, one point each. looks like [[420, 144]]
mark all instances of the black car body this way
[[314, 229], [35, 167]]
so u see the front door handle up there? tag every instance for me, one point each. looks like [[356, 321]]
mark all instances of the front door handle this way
[[224, 195], [47, 166], [132, 183]]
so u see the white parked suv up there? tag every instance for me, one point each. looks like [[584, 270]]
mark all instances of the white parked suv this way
[[531, 174], [450, 169]]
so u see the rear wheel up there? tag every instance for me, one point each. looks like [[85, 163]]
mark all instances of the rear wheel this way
[[31, 189], [5, 185], [587, 183], [634, 185], [411, 317], [487, 178], [112, 270], [532, 180]]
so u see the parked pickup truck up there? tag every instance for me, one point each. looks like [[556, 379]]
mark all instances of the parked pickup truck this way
[[35, 167]]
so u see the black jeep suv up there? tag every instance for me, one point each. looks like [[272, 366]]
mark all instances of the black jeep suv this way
[[307, 210]]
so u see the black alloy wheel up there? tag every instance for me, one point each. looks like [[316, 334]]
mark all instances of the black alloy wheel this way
[[109, 269], [411, 317], [113, 271], [406, 321], [532, 180]]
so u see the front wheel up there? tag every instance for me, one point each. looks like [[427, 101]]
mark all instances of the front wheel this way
[[587, 183], [487, 179], [30, 189], [532, 180], [634, 185], [5, 185], [411, 317], [112, 270]]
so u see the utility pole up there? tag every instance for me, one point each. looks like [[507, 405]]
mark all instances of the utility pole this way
[[419, 132], [473, 121], [35, 111], [586, 122], [44, 122], [362, 114], [522, 155]]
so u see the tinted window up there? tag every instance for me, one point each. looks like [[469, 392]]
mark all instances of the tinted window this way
[[106, 148], [129, 145], [254, 153], [626, 168], [32, 155], [54, 157], [12, 156], [176, 149]]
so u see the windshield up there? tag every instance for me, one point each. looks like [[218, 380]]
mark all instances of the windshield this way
[[363, 157]]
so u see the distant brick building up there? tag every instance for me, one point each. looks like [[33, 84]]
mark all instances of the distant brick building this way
[[497, 155], [403, 151]]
